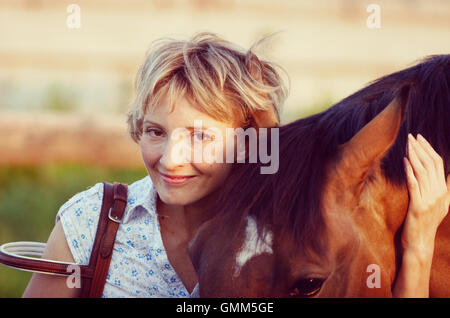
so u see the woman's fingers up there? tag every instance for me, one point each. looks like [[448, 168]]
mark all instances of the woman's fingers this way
[[419, 169], [413, 186], [427, 162], [446, 198], [448, 189], [434, 156], [429, 194]]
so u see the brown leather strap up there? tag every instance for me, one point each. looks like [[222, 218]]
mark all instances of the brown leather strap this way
[[61, 268], [41, 265], [107, 202], [110, 218], [93, 275]]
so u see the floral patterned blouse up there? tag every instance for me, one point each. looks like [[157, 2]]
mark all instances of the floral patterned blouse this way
[[139, 265]]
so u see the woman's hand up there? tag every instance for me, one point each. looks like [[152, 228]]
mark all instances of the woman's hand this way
[[429, 197]]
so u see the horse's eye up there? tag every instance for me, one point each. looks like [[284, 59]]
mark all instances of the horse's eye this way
[[306, 287]]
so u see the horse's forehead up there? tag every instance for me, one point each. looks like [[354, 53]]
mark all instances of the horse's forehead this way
[[253, 244]]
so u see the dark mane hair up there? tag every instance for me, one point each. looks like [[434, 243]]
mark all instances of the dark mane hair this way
[[292, 197]]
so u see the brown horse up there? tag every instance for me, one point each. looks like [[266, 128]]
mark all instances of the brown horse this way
[[328, 223]]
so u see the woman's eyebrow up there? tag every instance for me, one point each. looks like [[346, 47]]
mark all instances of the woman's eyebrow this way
[[191, 128], [151, 123]]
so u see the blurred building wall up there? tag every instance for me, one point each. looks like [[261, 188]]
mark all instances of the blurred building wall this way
[[48, 70]]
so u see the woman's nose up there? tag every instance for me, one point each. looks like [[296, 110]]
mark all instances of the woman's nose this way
[[177, 150]]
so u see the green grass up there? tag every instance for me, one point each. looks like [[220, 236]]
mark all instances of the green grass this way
[[30, 197]]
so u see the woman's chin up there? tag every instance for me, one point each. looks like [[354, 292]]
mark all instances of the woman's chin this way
[[171, 199]]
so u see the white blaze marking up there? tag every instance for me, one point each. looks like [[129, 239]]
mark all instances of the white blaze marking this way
[[253, 245]]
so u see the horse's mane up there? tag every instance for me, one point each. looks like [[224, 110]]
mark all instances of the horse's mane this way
[[292, 197]]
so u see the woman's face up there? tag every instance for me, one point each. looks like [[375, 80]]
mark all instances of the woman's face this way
[[178, 170]]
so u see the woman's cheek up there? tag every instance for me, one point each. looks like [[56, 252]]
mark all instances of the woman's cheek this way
[[150, 154]]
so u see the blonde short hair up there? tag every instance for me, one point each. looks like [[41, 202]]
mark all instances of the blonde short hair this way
[[223, 80]]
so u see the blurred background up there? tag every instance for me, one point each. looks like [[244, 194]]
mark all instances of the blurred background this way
[[65, 92]]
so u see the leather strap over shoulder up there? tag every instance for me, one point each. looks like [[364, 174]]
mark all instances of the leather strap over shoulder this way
[[114, 204], [93, 276]]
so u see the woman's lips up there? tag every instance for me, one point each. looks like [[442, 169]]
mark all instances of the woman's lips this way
[[175, 179]]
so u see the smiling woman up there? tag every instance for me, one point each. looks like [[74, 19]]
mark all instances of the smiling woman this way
[[203, 79], [178, 183]]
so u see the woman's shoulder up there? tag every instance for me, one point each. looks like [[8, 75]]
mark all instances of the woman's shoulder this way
[[93, 193], [93, 196], [79, 217]]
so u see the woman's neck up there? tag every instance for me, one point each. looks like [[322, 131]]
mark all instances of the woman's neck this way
[[186, 217]]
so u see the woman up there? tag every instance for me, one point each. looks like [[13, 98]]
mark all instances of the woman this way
[[181, 83], [210, 80]]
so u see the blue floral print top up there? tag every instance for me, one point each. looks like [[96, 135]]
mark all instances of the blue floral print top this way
[[139, 265]]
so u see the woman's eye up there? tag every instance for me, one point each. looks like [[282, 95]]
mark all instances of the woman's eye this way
[[201, 136], [152, 132], [306, 287]]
